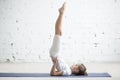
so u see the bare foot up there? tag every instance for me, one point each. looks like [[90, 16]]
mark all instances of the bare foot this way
[[61, 10]]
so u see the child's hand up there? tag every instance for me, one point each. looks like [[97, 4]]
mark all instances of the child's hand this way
[[54, 59]]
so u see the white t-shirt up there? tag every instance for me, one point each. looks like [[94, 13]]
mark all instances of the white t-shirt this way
[[54, 52], [62, 66]]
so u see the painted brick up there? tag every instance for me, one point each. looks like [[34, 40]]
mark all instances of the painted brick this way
[[91, 30]]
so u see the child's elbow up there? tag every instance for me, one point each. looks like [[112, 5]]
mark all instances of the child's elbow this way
[[53, 74]]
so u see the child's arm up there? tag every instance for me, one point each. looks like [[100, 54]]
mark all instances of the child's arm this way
[[53, 69]]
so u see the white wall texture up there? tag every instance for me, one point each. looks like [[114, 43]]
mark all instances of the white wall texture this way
[[91, 30]]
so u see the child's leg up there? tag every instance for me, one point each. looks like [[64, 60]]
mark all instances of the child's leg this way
[[59, 21], [54, 51]]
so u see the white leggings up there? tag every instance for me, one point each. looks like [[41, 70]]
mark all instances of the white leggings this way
[[55, 48]]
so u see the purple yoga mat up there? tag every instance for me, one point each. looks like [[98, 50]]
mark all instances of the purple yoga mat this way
[[48, 75]]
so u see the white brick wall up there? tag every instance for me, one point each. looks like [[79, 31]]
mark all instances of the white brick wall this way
[[91, 30]]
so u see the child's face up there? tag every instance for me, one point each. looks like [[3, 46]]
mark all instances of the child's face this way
[[75, 68]]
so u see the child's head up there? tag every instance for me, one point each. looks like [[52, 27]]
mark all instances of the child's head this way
[[78, 69]]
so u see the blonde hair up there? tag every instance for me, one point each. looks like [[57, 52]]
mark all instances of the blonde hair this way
[[82, 70]]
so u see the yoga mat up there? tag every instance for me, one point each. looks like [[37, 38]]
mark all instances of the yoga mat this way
[[48, 75]]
